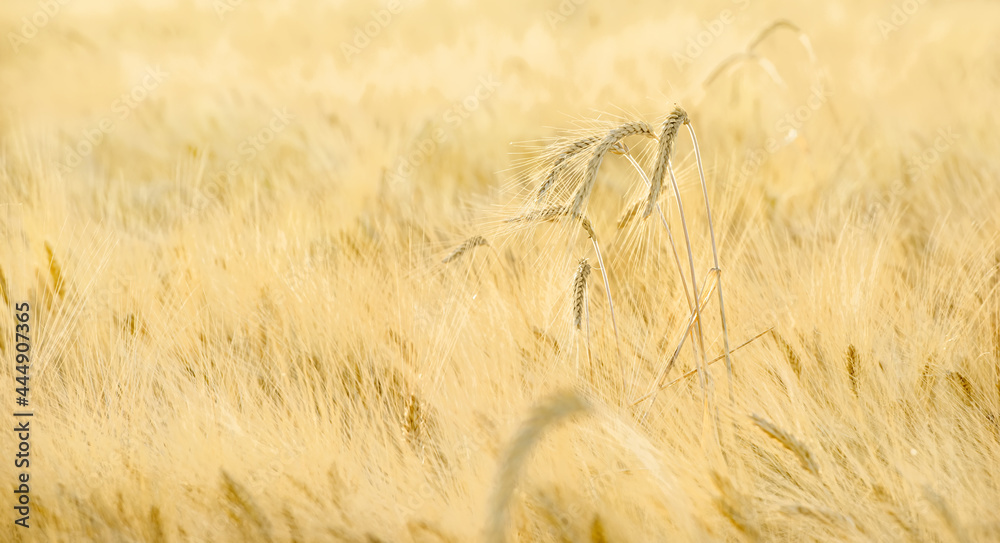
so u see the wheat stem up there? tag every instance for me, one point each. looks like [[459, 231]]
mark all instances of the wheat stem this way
[[692, 372], [589, 228], [703, 377], [670, 235], [715, 260], [515, 456], [703, 301]]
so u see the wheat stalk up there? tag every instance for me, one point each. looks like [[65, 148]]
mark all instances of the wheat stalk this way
[[552, 411], [703, 376], [670, 236], [715, 260], [602, 148], [703, 300], [692, 372], [589, 229]]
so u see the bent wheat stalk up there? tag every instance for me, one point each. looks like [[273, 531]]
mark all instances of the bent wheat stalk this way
[[551, 412], [703, 376]]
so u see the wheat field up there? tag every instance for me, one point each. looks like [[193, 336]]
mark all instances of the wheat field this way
[[446, 271]]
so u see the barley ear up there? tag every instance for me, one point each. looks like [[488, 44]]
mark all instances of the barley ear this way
[[466, 246], [607, 144], [666, 139], [569, 152], [580, 291], [789, 441]]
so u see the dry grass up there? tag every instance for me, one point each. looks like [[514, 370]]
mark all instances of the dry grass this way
[[243, 329]]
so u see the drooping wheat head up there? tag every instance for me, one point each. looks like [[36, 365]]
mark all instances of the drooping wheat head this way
[[789, 441], [666, 145], [466, 246], [601, 149]]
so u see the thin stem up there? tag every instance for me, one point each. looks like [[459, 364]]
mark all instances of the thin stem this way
[[586, 314], [673, 246], [703, 301], [670, 235], [703, 375], [626, 389], [715, 259]]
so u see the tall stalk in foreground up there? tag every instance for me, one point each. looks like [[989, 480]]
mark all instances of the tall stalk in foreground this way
[[715, 261]]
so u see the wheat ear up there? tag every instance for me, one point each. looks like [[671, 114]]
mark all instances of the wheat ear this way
[[581, 309], [552, 411], [466, 246], [789, 441], [550, 213], [601, 149], [580, 291], [666, 140], [569, 152]]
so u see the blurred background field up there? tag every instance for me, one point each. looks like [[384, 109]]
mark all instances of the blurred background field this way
[[231, 216]]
